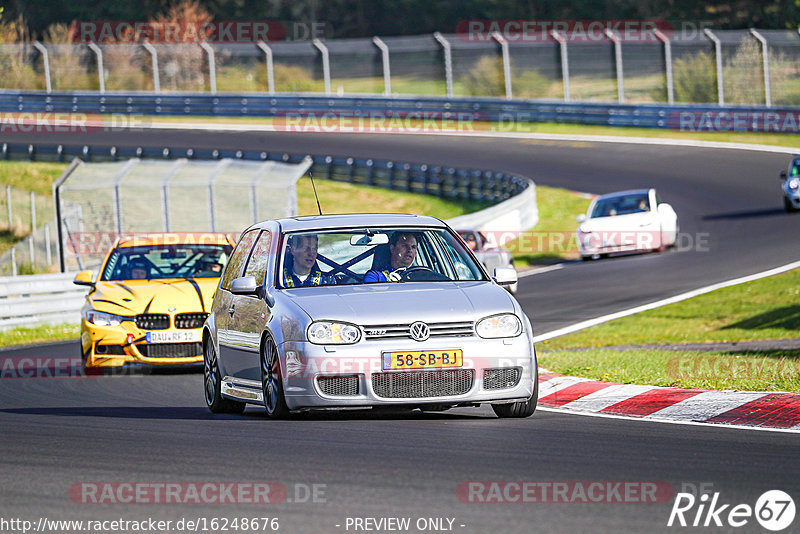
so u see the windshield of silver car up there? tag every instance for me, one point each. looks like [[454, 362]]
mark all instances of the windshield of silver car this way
[[374, 255]]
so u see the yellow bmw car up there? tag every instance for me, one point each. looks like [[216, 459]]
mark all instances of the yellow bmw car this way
[[151, 298]]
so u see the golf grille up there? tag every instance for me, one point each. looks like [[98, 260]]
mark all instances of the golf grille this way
[[170, 350], [419, 384], [152, 321], [338, 385], [403, 331], [504, 378], [190, 320]]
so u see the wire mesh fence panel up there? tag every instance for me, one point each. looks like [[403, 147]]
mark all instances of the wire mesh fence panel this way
[[644, 71], [240, 67], [592, 71], [34, 254], [784, 66], [72, 67], [356, 66], [182, 67], [128, 67], [20, 68], [477, 68], [536, 70], [140, 197], [188, 198], [694, 69], [417, 65], [297, 67], [743, 68]]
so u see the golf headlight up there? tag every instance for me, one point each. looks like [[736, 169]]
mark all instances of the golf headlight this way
[[105, 319], [503, 325], [331, 333], [794, 184]]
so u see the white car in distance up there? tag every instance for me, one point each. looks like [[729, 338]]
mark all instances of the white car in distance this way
[[625, 222]]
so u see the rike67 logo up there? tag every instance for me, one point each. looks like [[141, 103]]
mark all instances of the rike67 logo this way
[[774, 510]]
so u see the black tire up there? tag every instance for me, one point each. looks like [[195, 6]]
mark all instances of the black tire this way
[[788, 206], [518, 409], [272, 381], [212, 384]]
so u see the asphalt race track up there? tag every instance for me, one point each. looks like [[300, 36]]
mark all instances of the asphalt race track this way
[[150, 428]]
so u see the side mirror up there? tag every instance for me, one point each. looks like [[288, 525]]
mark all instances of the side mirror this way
[[83, 278], [505, 276], [580, 218], [246, 285], [783, 175]]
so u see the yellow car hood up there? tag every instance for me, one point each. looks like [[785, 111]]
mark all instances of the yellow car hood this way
[[132, 297]]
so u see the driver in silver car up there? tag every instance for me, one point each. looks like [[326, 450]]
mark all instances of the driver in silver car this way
[[403, 252], [301, 267]]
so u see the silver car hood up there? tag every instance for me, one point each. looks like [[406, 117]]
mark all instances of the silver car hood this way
[[406, 302]]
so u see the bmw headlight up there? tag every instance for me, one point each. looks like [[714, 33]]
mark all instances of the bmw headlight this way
[[105, 319], [503, 325], [794, 184], [333, 333]]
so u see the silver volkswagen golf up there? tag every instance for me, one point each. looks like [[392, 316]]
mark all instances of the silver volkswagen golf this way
[[368, 310]]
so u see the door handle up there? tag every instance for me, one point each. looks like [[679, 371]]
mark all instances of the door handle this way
[[232, 310]]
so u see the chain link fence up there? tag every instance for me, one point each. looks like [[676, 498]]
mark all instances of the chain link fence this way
[[755, 66]]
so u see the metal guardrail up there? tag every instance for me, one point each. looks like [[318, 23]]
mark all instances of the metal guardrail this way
[[40, 298], [450, 182], [463, 110]]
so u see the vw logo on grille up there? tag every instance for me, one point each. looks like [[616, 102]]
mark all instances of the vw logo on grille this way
[[420, 331]]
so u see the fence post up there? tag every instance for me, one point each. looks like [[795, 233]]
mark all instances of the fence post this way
[[270, 67], [33, 227], [154, 60], [13, 262], [100, 74], [10, 214], [46, 60], [212, 66], [667, 64], [506, 62], [765, 57], [387, 72], [47, 250], [326, 65], [448, 63], [562, 43], [618, 63], [718, 55]]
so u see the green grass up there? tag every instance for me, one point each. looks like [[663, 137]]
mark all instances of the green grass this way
[[777, 370], [40, 334], [38, 177], [553, 238], [759, 310]]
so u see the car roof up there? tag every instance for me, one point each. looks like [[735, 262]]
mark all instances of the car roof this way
[[175, 238], [624, 193], [319, 222]]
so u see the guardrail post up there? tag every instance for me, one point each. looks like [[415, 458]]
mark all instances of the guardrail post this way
[[718, 55], [409, 177], [562, 43], [154, 61], [270, 67], [765, 57], [390, 167], [100, 74], [667, 64], [448, 63], [506, 62], [387, 72], [46, 60], [212, 66], [370, 172], [326, 65], [618, 63]]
